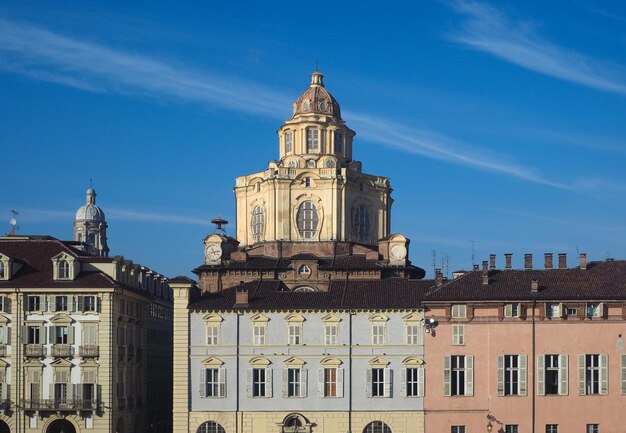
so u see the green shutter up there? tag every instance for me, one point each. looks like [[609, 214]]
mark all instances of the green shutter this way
[[581, 375], [541, 375], [446, 375], [469, 375], [523, 362], [508, 310], [500, 379], [563, 375], [604, 374]]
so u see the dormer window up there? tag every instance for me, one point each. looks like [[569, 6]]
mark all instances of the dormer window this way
[[288, 142], [3, 271], [313, 140], [64, 269], [5, 267], [338, 142]]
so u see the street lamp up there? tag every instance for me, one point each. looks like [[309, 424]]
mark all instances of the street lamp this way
[[489, 426]]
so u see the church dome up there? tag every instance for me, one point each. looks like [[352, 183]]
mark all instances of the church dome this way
[[90, 212], [316, 99]]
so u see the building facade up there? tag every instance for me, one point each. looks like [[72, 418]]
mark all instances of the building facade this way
[[80, 335], [310, 319], [531, 350]]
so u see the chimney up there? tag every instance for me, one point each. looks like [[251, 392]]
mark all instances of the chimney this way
[[438, 278], [562, 261], [534, 286], [241, 296], [492, 261], [475, 267], [528, 261], [507, 259], [485, 273], [548, 261], [583, 261]]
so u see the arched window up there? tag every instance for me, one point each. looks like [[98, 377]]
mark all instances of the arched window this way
[[64, 269], [288, 142], [210, 427], [307, 220], [2, 270], [292, 164], [258, 221], [330, 163], [377, 427], [304, 289], [312, 140], [362, 224], [293, 421], [338, 142]]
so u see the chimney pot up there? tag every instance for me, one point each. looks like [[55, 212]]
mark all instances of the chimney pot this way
[[475, 267], [548, 261], [534, 286], [562, 261], [583, 261], [241, 295], [507, 260], [492, 261], [528, 261], [438, 278]]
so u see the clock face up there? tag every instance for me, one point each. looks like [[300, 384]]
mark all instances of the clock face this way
[[213, 252], [398, 252]]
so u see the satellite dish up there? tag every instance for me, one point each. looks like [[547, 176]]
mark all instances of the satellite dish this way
[[13, 221]]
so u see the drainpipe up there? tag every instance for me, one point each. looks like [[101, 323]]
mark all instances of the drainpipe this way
[[237, 376], [350, 374], [534, 368]]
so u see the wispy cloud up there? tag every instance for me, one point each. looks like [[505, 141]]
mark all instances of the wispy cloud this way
[[44, 55], [490, 30]]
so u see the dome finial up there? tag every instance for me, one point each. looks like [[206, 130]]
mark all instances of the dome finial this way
[[317, 78]]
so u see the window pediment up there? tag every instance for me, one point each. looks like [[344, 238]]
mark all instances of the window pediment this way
[[5, 267], [331, 318], [412, 361], [61, 319], [61, 363], [260, 361], [294, 362], [378, 362], [378, 317], [295, 318], [259, 318], [213, 319], [212, 362], [331, 362], [412, 317]]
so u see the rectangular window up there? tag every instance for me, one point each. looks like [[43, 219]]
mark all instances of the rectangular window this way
[[459, 311], [552, 428], [60, 392], [34, 303], [553, 310], [457, 429], [212, 335], [592, 374], [378, 382], [312, 139], [90, 333], [330, 382], [60, 335], [288, 142], [458, 335], [572, 312], [89, 303], [294, 382], [594, 310], [33, 335], [413, 332], [415, 382], [593, 428], [552, 374], [511, 310], [60, 303], [458, 375], [330, 334], [295, 334], [259, 385], [378, 333], [212, 382], [511, 374], [258, 335], [511, 428], [338, 142]]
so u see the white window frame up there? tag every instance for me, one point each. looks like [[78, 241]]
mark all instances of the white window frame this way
[[593, 310], [552, 428], [458, 380], [38, 301], [413, 381], [362, 223], [212, 334], [413, 333], [512, 375], [593, 364], [330, 382], [379, 331], [457, 429], [593, 428], [339, 141], [294, 334], [63, 269], [553, 310], [458, 335], [257, 223], [294, 382], [215, 385], [512, 310], [307, 220], [259, 334], [459, 311], [331, 334], [379, 382], [312, 140], [554, 363], [288, 142], [262, 386]]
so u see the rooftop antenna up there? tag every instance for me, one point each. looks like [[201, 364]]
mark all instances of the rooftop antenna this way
[[434, 259], [13, 222], [473, 242], [90, 183], [219, 225], [317, 64]]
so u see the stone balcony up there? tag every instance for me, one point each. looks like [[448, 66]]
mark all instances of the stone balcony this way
[[89, 351], [34, 351]]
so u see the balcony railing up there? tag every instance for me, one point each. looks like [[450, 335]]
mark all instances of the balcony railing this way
[[61, 404], [34, 351], [3, 350], [61, 350], [5, 404], [89, 351]]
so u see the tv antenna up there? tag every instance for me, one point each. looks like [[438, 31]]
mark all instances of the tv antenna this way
[[13, 221], [473, 242]]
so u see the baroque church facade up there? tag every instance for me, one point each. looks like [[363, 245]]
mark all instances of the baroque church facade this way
[[309, 319]]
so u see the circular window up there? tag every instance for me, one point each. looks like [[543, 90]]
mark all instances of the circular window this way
[[304, 271], [305, 106], [323, 106], [330, 163], [292, 164]]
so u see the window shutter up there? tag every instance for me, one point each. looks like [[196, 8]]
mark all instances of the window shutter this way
[[604, 374], [500, 380], [469, 375], [581, 375], [78, 392], [202, 382], [51, 395], [446, 375], [70, 334], [403, 382], [249, 383], [98, 305], [508, 310], [455, 335], [49, 336], [541, 375], [368, 382], [222, 382], [623, 374], [420, 381], [99, 395], [72, 391], [563, 375], [285, 382], [523, 363], [603, 310], [35, 391], [340, 382], [304, 374], [268, 382], [79, 303], [388, 379], [25, 335], [321, 383]]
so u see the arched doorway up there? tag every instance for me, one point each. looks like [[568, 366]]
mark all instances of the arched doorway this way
[[4, 427], [61, 426]]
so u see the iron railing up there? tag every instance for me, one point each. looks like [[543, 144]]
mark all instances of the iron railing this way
[[62, 404]]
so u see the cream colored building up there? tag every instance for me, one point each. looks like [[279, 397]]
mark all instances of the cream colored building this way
[[85, 340], [310, 319]]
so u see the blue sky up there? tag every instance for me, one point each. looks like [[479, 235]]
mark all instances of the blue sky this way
[[501, 123]]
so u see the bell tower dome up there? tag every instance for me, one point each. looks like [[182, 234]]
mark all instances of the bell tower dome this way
[[90, 226]]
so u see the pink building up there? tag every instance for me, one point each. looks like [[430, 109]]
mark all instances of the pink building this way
[[528, 351]]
